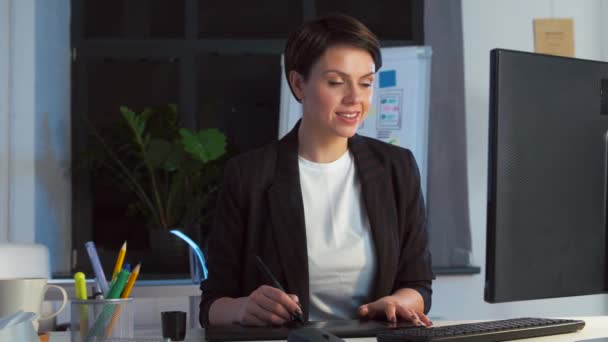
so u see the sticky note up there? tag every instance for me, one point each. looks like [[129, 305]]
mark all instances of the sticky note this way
[[388, 79]]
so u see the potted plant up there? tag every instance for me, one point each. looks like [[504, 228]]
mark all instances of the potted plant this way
[[172, 172]]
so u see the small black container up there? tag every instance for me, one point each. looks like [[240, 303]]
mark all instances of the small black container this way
[[174, 325]]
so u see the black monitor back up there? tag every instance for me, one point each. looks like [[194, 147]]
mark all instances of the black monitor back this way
[[546, 218]]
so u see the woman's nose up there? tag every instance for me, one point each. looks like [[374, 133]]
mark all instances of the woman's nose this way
[[353, 95]]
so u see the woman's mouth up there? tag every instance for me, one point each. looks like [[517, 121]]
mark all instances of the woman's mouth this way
[[348, 117]]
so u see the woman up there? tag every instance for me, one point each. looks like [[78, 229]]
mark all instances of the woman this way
[[338, 218]]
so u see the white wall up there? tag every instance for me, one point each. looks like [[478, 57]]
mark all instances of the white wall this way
[[604, 29], [35, 193], [488, 24], [5, 68], [21, 122], [52, 131]]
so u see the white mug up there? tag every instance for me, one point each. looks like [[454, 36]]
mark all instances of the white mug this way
[[26, 294]]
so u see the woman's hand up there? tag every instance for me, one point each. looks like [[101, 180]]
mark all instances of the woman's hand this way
[[267, 305], [391, 309]]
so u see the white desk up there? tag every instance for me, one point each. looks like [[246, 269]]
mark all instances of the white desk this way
[[595, 327]]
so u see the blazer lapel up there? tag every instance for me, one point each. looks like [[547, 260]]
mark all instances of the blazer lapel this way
[[381, 211], [287, 217]]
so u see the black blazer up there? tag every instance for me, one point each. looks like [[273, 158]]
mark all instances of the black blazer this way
[[260, 212]]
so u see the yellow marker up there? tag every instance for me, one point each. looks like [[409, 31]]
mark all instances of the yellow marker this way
[[127, 291], [80, 283], [120, 260]]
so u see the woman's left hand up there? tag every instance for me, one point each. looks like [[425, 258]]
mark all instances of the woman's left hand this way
[[392, 310]]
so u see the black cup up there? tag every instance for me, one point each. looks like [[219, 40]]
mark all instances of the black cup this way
[[174, 325]]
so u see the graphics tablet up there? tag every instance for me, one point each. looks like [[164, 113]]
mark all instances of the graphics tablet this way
[[340, 328]]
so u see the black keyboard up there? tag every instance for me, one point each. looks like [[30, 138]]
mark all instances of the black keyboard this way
[[489, 331]]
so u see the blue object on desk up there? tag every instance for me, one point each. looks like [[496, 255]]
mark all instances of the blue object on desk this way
[[195, 248], [97, 269]]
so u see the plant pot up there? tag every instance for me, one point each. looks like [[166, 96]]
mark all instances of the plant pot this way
[[171, 252]]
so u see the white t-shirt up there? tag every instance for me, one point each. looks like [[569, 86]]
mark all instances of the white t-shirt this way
[[341, 257]]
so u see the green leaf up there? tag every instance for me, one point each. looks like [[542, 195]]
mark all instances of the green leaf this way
[[206, 145], [137, 123]]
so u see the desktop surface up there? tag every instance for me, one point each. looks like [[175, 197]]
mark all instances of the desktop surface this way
[[595, 327]]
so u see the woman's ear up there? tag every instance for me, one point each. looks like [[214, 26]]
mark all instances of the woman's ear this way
[[296, 81]]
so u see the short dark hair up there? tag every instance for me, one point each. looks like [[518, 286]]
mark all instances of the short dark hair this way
[[306, 44]]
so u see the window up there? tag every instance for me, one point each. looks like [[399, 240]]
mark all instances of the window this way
[[220, 65]]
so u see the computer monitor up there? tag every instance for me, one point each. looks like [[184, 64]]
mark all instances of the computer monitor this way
[[547, 182]]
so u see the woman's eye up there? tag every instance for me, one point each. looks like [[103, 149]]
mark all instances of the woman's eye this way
[[335, 83], [366, 85]]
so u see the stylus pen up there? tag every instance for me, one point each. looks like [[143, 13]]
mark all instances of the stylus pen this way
[[266, 270]]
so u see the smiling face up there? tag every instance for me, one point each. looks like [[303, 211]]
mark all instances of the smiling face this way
[[338, 92]]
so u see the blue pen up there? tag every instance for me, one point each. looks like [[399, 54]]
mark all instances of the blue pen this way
[[99, 275]]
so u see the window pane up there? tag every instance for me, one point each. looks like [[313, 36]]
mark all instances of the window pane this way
[[388, 19], [134, 19], [240, 95], [109, 85], [260, 19]]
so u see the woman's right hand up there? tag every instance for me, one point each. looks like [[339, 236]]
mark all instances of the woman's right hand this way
[[268, 305]]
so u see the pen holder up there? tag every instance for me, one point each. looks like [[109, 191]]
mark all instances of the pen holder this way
[[102, 319]]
